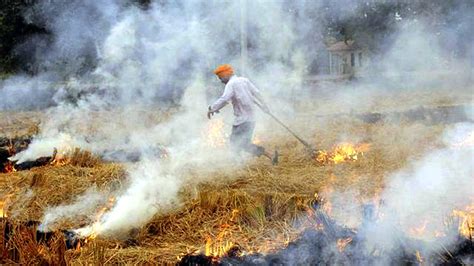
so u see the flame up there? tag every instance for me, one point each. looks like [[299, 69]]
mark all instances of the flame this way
[[3, 204], [343, 152], [8, 167], [3, 213], [418, 256], [220, 245], [322, 157], [466, 221], [218, 249], [61, 158], [215, 134], [342, 243], [256, 140], [97, 225]]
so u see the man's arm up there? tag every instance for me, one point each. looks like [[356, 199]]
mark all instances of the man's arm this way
[[223, 100]]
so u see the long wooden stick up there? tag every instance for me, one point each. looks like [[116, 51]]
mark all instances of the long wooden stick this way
[[305, 143]]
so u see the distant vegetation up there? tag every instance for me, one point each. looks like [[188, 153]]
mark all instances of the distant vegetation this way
[[13, 31]]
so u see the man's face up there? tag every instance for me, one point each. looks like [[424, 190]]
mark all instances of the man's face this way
[[224, 79]]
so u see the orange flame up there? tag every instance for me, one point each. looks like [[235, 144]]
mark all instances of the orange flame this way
[[220, 245], [8, 167], [61, 158], [466, 221], [256, 140], [342, 152], [96, 226], [2, 210], [3, 204], [419, 257], [217, 249], [215, 134], [342, 243]]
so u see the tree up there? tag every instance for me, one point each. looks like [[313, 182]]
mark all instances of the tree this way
[[13, 30]]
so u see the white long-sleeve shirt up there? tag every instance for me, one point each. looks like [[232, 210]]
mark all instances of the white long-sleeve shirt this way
[[242, 93]]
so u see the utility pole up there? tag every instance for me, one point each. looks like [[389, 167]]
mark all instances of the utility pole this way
[[243, 37]]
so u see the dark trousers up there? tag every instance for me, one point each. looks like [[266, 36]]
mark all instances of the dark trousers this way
[[241, 139]]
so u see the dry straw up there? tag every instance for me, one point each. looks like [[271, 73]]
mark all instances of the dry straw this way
[[256, 207]]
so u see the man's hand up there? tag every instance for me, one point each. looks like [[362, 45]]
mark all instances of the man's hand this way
[[210, 113]]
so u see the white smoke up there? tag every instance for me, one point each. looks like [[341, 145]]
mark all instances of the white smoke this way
[[151, 191], [44, 147], [418, 201], [22, 92], [85, 204], [160, 54]]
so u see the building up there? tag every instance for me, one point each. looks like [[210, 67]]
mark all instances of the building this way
[[346, 58]]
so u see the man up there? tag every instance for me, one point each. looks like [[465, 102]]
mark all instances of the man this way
[[244, 96]]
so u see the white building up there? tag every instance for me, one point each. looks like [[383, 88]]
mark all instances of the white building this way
[[346, 58]]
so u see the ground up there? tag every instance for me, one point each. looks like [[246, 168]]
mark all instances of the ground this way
[[259, 207]]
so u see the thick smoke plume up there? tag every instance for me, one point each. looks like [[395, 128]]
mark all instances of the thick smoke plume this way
[[418, 201], [164, 53]]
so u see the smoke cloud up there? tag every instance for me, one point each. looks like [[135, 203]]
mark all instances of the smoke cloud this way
[[418, 201]]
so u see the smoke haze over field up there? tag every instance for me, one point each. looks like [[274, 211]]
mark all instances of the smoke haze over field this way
[[132, 54], [419, 198], [165, 54]]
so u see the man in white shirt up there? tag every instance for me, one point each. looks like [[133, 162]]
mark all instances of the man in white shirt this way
[[244, 97]]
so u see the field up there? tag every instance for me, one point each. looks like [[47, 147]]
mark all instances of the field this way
[[258, 207]]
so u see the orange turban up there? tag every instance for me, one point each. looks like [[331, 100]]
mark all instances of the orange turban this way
[[224, 70]]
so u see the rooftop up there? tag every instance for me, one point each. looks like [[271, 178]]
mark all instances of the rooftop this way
[[343, 46]]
